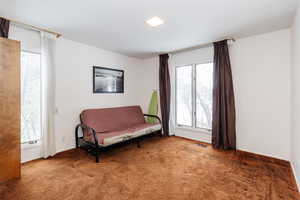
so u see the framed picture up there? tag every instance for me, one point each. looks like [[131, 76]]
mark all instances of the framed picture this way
[[107, 80]]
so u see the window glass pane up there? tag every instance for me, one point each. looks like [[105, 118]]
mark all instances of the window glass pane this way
[[204, 87], [184, 95], [30, 97]]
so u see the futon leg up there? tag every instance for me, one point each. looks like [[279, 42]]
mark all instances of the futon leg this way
[[160, 133], [138, 143], [77, 143], [76, 136], [97, 155]]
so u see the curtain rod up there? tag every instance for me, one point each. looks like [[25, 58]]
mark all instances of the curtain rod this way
[[199, 46], [33, 27]]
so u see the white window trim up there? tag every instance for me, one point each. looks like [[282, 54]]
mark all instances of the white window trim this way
[[194, 117]]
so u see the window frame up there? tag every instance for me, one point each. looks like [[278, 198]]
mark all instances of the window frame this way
[[194, 114], [35, 142]]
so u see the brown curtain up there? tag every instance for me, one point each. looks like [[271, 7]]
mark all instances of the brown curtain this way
[[223, 127], [4, 27], [164, 91]]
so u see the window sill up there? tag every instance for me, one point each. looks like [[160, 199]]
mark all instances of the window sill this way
[[30, 146], [206, 131]]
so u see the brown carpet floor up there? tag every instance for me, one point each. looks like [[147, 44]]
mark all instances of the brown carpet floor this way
[[163, 168]]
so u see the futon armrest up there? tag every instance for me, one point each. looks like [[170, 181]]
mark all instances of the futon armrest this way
[[87, 128], [154, 116]]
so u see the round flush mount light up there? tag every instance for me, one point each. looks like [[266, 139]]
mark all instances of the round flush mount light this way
[[155, 21]]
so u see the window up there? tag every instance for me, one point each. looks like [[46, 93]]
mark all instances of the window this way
[[30, 97], [184, 95], [194, 96]]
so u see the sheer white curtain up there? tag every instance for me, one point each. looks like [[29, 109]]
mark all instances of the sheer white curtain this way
[[172, 122], [48, 98]]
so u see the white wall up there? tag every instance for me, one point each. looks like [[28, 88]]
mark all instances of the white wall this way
[[295, 75], [261, 73], [74, 63], [148, 81]]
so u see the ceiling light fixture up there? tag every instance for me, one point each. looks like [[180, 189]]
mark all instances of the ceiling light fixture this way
[[155, 21]]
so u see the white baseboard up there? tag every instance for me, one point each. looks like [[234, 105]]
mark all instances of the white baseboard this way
[[65, 148], [295, 175]]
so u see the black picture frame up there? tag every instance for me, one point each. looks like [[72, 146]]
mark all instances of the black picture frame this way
[[100, 85]]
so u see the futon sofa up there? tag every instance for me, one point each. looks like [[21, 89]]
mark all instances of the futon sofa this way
[[107, 126]]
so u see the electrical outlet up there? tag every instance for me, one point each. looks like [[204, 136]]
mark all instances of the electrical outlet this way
[[56, 111]]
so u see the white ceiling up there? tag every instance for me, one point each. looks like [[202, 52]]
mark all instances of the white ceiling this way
[[119, 25]]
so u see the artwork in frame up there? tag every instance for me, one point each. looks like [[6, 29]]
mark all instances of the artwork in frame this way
[[107, 80]]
